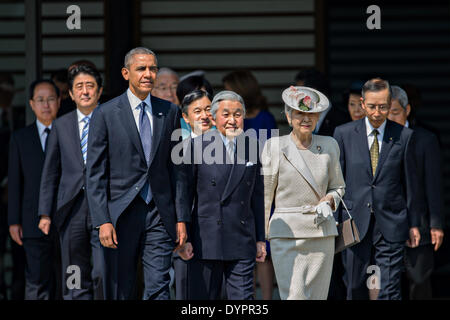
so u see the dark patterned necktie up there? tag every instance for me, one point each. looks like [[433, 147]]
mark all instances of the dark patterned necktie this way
[[374, 152], [47, 131]]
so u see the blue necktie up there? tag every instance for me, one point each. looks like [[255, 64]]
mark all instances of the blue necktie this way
[[84, 137], [146, 140]]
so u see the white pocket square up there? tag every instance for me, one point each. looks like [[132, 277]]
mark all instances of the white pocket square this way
[[249, 164]]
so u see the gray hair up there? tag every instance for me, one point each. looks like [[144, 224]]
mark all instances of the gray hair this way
[[376, 85], [138, 50], [168, 71], [222, 96], [400, 95]]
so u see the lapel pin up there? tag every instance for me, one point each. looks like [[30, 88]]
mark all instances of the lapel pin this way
[[160, 114], [390, 138], [319, 149]]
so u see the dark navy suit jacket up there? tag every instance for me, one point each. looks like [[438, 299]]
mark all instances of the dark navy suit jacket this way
[[392, 194], [226, 201], [63, 175], [428, 156], [26, 159], [116, 169]]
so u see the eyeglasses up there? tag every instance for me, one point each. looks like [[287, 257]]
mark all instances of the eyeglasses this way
[[165, 89], [41, 101], [381, 107]]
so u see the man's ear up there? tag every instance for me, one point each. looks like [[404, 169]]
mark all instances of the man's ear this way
[[125, 73], [408, 110], [71, 95], [185, 117]]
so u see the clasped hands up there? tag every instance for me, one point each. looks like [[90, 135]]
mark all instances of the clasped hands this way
[[323, 210]]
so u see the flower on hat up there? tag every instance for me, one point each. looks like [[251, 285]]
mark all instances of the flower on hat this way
[[304, 104]]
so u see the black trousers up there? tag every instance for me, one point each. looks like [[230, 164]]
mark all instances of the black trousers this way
[[141, 235], [419, 265], [206, 279], [40, 282], [374, 254], [81, 255]]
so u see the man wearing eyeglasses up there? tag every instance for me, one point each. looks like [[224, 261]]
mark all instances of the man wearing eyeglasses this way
[[26, 160], [130, 183], [166, 85], [378, 163]]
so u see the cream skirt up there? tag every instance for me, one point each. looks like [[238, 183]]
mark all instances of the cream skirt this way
[[303, 267]]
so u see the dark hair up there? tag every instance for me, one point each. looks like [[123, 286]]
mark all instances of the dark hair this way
[[313, 78], [59, 75], [244, 83], [376, 85], [35, 83], [193, 96], [86, 69], [355, 88], [78, 62], [192, 83]]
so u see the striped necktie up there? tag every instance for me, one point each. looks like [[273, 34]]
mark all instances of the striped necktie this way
[[84, 137], [374, 151], [146, 139]]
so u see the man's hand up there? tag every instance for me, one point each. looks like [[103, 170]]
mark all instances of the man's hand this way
[[15, 231], [181, 235], [186, 252], [107, 235], [437, 236], [44, 224], [414, 237], [260, 251]]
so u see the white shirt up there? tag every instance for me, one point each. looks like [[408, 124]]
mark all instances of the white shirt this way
[[81, 123], [407, 124], [134, 103], [370, 134], [42, 133]]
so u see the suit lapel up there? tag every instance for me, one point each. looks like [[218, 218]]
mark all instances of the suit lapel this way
[[159, 115], [74, 137], [36, 142], [363, 145], [237, 170], [295, 158], [130, 124], [385, 147]]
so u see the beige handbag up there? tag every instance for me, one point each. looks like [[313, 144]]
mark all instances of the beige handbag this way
[[348, 234]]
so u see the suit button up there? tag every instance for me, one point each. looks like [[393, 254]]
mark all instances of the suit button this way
[[368, 205], [213, 183], [137, 188], [219, 222], [242, 222], [242, 202], [222, 203], [83, 188], [373, 186]]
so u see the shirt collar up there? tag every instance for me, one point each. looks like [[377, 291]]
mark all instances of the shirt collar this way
[[225, 140], [81, 116], [407, 124], [41, 127], [370, 128], [135, 101]]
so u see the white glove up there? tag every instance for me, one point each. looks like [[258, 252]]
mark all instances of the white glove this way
[[324, 212]]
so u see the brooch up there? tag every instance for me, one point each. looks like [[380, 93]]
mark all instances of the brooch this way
[[319, 149]]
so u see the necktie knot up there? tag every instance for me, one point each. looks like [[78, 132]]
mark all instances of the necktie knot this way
[[375, 132], [86, 120], [47, 130]]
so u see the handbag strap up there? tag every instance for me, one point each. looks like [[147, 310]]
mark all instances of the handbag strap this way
[[343, 203]]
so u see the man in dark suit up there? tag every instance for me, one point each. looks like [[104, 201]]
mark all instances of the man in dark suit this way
[[130, 191], [63, 183], [419, 261], [26, 159], [225, 192], [378, 163]]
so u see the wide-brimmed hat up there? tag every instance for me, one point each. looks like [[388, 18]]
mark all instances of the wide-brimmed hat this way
[[305, 99]]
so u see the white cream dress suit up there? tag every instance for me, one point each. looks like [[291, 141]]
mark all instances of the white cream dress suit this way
[[296, 180]]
